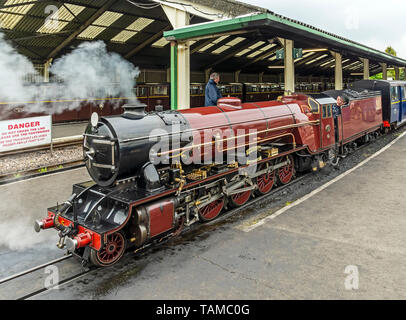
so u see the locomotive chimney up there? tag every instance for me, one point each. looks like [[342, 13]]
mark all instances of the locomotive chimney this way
[[134, 111]]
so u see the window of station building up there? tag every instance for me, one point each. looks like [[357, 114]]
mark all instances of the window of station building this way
[[253, 88], [159, 90], [196, 89], [235, 88], [141, 92]]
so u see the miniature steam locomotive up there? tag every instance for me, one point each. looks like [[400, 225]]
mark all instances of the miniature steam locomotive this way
[[154, 173]]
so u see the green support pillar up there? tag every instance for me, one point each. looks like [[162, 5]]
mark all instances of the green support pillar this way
[[174, 76]]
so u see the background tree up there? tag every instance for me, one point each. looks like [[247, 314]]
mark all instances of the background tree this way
[[391, 72], [391, 51]]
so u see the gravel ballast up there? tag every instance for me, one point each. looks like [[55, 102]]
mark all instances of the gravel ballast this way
[[39, 160]]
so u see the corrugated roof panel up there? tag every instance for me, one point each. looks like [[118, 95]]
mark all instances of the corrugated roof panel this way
[[351, 64], [218, 40], [10, 20], [269, 46], [107, 18], [256, 45], [272, 58], [160, 43], [316, 59], [123, 36], [326, 63], [254, 54], [228, 45], [241, 53], [206, 47], [91, 32], [60, 19], [262, 50], [52, 26], [64, 13], [221, 49], [304, 56], [18, 9], [139, 24], [235, 41]]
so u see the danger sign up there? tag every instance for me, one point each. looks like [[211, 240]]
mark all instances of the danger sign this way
[[25, 133]]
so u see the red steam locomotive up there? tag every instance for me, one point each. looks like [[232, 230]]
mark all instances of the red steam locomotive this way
[[154, 173]]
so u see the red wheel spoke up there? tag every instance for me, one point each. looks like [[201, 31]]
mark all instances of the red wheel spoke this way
[[266, 181], [112, 250], [212, 210], [286, 173]]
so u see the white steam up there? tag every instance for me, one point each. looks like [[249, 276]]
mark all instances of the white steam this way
[[13, 67], [89, 69], [89, 72]]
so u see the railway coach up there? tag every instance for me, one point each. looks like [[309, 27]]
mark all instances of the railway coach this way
[[393, 99]]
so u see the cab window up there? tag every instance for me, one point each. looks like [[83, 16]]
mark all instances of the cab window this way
[[314, 106], [395, 94], [326, 111]]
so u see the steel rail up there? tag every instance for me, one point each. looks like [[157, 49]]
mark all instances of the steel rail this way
[[23, 273]]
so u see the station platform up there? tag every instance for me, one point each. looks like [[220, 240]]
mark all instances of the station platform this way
[[351, 232], [63, 130]]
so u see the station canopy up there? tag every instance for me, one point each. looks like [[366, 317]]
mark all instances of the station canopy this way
[[255, 37], [41, 30]]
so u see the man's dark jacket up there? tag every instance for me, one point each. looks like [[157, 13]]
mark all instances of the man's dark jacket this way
[[212, 94]]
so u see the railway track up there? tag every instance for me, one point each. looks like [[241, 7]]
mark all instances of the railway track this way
[[58, 143], [14, 281], [76, 271], [15, 286]]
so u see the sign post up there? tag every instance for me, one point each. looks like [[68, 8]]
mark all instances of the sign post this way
[[296, 53]]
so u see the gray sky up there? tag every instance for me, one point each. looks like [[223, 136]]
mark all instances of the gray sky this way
[[377, 24]]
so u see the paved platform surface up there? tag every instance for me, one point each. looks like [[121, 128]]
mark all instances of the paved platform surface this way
[[357, 223], [68, 129], [20, 204]]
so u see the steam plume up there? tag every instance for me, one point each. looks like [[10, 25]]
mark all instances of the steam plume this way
[[88, 72]]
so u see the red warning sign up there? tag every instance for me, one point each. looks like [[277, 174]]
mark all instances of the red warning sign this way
[[25, 133]]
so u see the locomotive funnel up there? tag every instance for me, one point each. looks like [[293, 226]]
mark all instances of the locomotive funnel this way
[[134, 111]]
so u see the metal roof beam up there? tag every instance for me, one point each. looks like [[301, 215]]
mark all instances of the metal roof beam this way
[[31, 35], [89, 21]]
